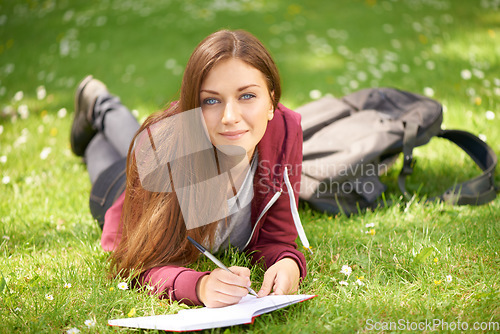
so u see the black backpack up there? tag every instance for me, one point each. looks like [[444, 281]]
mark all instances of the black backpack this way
[[349, 142]]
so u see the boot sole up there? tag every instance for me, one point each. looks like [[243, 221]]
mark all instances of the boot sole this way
[[78, 96]]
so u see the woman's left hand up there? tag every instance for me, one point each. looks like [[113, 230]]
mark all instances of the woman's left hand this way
[[282, 278]]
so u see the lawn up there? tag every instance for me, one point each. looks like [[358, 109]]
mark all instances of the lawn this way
[[413, 263]]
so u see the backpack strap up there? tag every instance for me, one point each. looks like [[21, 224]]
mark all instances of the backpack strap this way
[[477, 191], [409, 141], [481, 189]]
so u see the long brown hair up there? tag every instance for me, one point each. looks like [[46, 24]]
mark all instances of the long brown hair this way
[[153, 229]]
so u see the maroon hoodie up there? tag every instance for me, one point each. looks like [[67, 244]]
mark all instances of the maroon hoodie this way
[[274, 233]]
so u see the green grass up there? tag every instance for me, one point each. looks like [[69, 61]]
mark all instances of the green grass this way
[[48, 237]]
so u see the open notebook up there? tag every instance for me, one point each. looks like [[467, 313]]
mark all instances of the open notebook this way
[[203, 318]]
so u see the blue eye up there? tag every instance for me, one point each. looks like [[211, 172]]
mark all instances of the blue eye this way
[[247, 96], [210, 101]]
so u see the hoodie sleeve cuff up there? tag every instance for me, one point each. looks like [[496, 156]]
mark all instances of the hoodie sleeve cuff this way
[[184, 287], [302, 268]]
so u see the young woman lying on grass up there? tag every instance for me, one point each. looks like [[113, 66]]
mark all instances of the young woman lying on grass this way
[[233, 79]]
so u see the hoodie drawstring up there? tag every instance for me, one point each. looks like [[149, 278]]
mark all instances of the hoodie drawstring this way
[[295, 214]]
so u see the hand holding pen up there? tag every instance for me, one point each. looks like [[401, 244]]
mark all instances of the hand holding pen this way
[[226, 286]]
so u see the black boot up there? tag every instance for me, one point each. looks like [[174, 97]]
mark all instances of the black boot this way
[[83, 130]]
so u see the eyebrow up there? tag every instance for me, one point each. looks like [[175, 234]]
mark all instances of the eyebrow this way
[[239, 89]]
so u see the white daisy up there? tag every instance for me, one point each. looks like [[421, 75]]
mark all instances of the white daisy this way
[[18, 96], [41, 93], [315, 94], [478, 73], [23, 111], [90, 323], [388, 29], [123, 286], [466, 74], [62, 113], [45, 153], [346, 270], [428, 91]]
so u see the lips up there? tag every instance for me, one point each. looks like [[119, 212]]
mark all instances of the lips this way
[[233, 135]]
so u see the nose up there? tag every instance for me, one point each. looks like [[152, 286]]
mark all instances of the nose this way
[[231, 114]]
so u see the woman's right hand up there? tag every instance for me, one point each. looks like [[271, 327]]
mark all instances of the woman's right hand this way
[[223, 288]]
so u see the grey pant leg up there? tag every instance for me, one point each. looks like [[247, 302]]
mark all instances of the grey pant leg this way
[[99, 155], [116, 122]]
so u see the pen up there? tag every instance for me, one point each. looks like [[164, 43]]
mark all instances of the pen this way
[[216, 261]]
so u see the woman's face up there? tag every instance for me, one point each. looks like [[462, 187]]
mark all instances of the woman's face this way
[[236, 105]]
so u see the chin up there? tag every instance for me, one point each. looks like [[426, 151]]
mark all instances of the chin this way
[[232, 149]]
